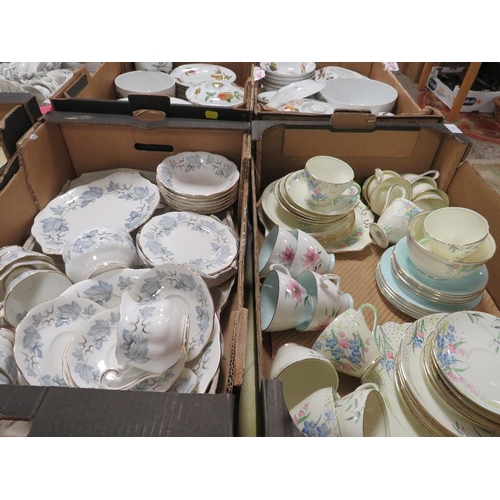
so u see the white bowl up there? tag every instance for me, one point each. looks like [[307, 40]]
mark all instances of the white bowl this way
[[360, 93], [97, 250], [144, 82]]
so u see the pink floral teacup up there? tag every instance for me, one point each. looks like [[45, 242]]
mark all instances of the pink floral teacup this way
[[329, 300], [310, 255], [284, 302], [349, 343], [279, 247]]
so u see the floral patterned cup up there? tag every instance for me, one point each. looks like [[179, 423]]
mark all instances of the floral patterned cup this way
[[315, 416], [329, 300], [302, 371], [284, 302], [279, 247], [310, 255], [349, 343], [393, 223], [363, 413]]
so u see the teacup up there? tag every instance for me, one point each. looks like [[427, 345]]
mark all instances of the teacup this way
[[393, 223], [329, 301], [284, 302], [151, 336], [422, 185], [374, 180], [327, 178], [310, 255], [315, 416], [349, 343], [363, 413], [279, 247], [302, 372]]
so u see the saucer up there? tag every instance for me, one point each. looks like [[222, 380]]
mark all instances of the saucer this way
[[312, 106], [296, 188]]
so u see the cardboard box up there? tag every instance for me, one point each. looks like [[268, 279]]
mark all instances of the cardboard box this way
[[477, 100], [283, 147], [89, 93], [62, 146], [406, 109]]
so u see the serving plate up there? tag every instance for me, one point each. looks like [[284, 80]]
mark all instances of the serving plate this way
[[191, 74], [216, 94]]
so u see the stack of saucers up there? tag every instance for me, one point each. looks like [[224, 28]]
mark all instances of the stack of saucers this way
[[286, 202], [200, 182], [195, 73], [279, 74]]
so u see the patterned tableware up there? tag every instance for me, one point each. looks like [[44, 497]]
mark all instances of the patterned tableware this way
[[311, 106], [193, 73], [216, 94]]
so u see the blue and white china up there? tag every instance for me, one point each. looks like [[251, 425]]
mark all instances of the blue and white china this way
[[124, 199], [43, 334], [107, 288], [8, 368], [188, 293], [185, 382], [196, 241]]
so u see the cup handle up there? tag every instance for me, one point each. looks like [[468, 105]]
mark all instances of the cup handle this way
[[434, 174], [379, 175], [358, 187], [375, 318], [330, 277], [389, 199], [368, 385], [280, 267]]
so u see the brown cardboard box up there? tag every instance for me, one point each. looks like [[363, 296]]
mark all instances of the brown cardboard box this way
[[405, 109], [61, 147], [283, 147], [84, 93]]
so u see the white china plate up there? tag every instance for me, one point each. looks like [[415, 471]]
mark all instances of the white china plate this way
[[91, 355], [412, 368], [43, 334], [197, 241], [265, 97], [188, 291], [191, 74], [389, 337], [288, 68], [296, 188], [408, 302], [359, 237], [107, 288], [466, 347], [331, 72], [206, 364], [295, 90], [312, 106], [124, 199], [199, 174], [185, 382], [216, 94]]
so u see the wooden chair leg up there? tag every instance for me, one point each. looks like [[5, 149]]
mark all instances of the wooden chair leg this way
[[466, 85]]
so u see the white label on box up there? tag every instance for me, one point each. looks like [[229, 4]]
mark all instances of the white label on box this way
[[392, 66], [258, 73], [453, 128]]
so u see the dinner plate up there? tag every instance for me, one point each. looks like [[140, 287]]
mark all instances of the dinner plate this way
[[331, 72], [197, 241], [193, 73], [43, 334], [187, 290], [411, 368], [198, 174], [296, 188], [312, 106], [466, 348], [185, 382], [107, 288], [124, 199], [295, 90], [216, 94]]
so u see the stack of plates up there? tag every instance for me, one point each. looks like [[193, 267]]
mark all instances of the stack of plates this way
[[285, 202], [418, 295], [195, 73], [452, 351], [200, 182], [279, 74]]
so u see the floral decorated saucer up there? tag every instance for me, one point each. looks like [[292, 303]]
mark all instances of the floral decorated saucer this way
[[188, 292], [191, 74], [107, 288], [43, 334], [216, 94], [197, 241], [124, 199], [312, 106]]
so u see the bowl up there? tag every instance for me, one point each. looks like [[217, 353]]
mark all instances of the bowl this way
[[97, 250], [438, 267], [144, 82], [360, 93], [455, 232]]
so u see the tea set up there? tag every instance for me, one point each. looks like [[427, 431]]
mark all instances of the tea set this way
[[120, 290]]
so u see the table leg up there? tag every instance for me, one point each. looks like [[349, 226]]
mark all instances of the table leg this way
[[469, 78]]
